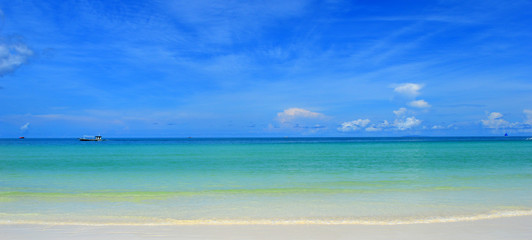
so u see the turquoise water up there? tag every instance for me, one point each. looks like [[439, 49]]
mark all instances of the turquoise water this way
[[284, 180]]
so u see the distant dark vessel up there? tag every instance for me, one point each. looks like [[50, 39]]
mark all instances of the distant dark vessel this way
[[20, 137], [95, 139]]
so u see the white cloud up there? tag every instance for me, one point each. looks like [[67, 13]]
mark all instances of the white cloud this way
[[419, 104], [399, 112], [25, 127], [354, 125], [13, 53], [292, 113], [407, 123], [398, 124], [495, 121], [408, 89]]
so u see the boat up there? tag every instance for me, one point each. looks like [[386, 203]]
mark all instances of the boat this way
[[95, 139], [20, 137]]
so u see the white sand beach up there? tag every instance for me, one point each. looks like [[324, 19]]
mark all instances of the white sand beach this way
[[501, 228]]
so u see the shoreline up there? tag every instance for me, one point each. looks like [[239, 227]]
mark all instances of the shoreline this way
[[518, 227], [285, 222]]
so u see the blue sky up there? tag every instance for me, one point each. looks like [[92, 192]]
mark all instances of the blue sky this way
[[265, 68]]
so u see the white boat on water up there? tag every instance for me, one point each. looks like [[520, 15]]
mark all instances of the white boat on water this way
[[95, 138]]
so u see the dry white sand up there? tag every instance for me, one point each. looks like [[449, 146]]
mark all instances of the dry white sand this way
[[501, 228]]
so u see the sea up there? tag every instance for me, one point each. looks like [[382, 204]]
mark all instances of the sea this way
[[264, 180]]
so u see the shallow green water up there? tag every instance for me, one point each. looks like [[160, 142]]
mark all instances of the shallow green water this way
[[155, 180]]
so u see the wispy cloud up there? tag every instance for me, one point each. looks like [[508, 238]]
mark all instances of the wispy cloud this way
[[438, 127], [25, 127], [442, 127], [455, 19], [400, 112], [528, 114], [230, 21], [68, 117], [13, 54]]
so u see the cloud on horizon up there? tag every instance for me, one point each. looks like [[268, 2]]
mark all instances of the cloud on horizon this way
[[378, 127], [290, 114], [399, 124], [495, 121], [353, 125], [406, 123]]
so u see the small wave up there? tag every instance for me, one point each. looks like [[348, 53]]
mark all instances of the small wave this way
[[175, 222]]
